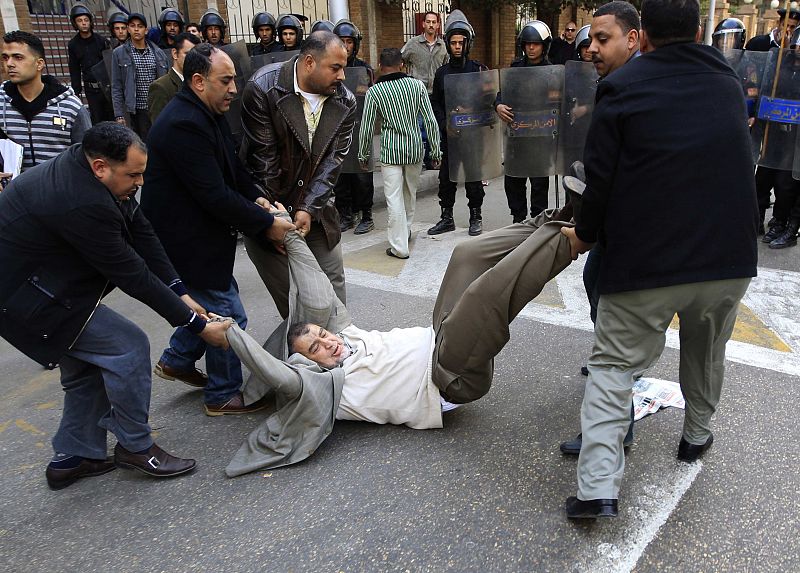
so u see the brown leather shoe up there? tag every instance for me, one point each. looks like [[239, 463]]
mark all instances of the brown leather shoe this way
[[155, 462], [234, 406], [59, 478], [195, 378]]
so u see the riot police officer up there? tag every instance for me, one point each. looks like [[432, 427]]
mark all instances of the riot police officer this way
[[118, 27], [354, 191], [213, 27], [171, 24], [290, 32], [264, 30], [534, 41], [318, 25], [582, 43], [458, 36], [729, 35], [85, 50]]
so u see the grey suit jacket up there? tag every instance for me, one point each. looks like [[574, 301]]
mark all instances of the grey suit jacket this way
[[306, 396]]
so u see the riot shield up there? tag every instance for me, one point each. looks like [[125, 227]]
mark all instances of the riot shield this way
[[241, 62], [283, 56], [262, 60], [749, 66], [474, 137], [577, 105], [102, 73], [357, 81], [530, 142], [774, 133]]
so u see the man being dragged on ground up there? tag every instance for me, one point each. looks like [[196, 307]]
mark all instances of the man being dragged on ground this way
[[319, 366]]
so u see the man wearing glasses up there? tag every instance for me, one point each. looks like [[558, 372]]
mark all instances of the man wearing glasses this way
[[564, 47]]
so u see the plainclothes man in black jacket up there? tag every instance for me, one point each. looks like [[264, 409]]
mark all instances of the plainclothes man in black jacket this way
[[85, 50], [647, 166], [534, 39], [70, 231], [198, 195]]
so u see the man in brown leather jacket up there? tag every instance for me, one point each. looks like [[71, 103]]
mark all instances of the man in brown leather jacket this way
[[298, 121]]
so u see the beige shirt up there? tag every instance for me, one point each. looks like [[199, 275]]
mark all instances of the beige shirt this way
[[312, 107], [388, 378]]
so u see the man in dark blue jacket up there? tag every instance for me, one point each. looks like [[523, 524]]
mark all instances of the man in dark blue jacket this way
[[198, 196], [70, 231], [647, 166]]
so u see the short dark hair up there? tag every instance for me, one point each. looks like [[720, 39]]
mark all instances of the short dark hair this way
[[190, 24], [391, 57], [20, 37], [316, 44], [295, 331], [198, 61], [185, 37], [670, 21], [110, 140], [425, 15], [624, 13]]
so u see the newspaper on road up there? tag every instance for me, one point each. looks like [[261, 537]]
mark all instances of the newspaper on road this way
[[652, 394]]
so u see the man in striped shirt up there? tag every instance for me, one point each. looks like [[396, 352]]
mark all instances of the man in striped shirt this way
[[399, 99]]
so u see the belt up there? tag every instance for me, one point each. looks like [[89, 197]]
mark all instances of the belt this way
[[94, 85]]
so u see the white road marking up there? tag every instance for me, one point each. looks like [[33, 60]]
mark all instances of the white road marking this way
[[619, 550], [767, 297]]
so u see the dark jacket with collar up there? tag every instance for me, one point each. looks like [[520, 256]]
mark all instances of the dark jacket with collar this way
[[123, 75], [276, 147], [161, 92], [65, 242], [84, 54], [649, 173], [197, 193]]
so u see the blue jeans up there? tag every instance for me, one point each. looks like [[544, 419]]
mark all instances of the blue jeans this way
[[222, 366], [106, 379]]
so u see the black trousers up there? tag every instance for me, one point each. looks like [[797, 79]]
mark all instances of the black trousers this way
[[765, 181], [787, 197], [447, 189], [354, 191], [140, 123], [100, 109], [516, 193]]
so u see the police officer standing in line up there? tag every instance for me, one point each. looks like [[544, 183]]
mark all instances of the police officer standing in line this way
[[264, 30], [766, 176], [354, 191], [118, 27], [290, 32], [171, 23], [582, 43], [212, 26], [324, 25], [458, 38], [534, 40], [85, 50]]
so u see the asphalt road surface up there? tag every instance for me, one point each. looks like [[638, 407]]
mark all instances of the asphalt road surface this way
[[485, 493]]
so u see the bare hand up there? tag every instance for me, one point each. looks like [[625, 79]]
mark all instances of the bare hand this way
[[364, 165], [191, 303], [505, 112], [303, 221], [214, 334], [121, 121], [277, 231], [263, 203], [576, 246], [436, 163]]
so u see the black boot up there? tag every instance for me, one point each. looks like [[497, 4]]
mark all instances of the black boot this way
[[345, 219], [475, 222], [445, 224], [366, 224], [788, 238], [775, 230]]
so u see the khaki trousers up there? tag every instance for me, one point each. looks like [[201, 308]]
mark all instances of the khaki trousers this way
[[400, 184], [273, 267], [488, 281], [629, 338]]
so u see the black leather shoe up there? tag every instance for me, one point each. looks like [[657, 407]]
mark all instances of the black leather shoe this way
[[59, 478], [155, 462], [573, 447], [690, 452], [590, 509]]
